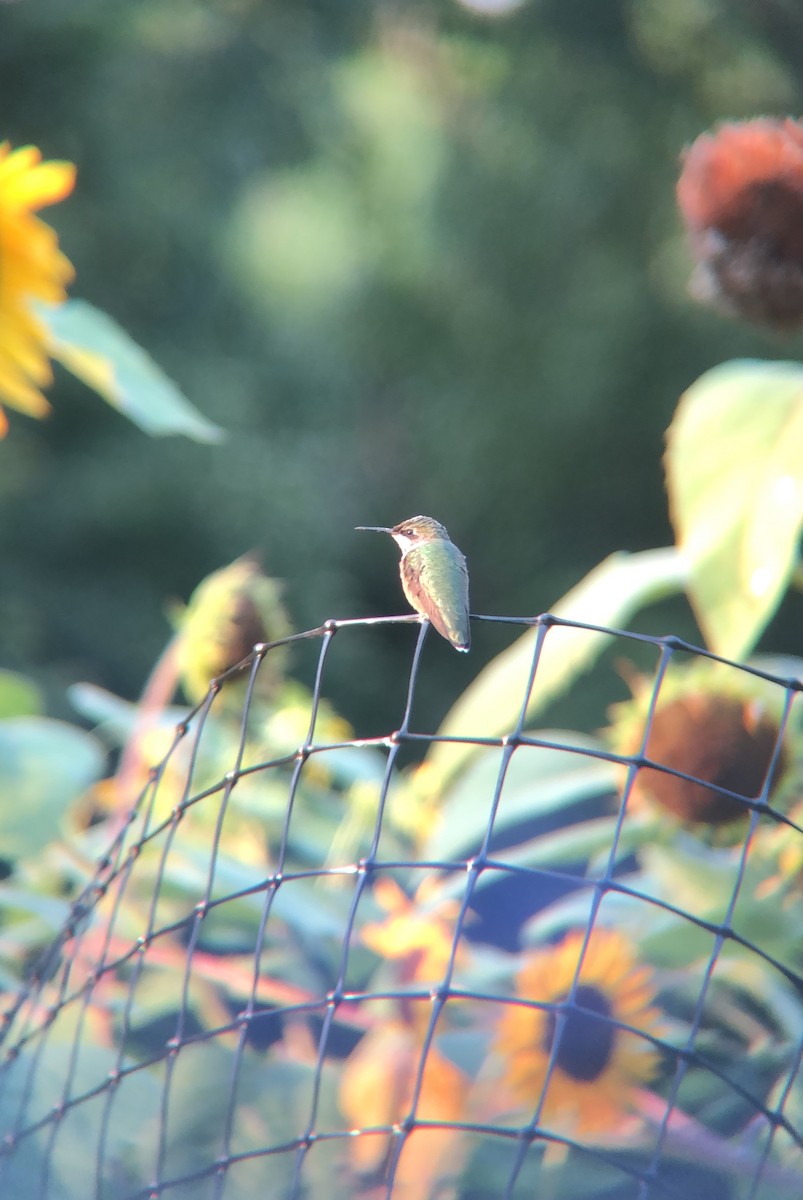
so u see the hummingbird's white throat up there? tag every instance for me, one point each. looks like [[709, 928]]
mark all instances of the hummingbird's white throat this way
[[403, 542]]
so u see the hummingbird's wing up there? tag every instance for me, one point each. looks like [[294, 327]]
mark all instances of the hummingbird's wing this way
[[435, 581]]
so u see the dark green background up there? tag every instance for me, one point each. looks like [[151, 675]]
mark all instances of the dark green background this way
[[413, 258]]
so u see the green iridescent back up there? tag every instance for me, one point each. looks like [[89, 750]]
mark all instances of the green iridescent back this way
[[435, 581]]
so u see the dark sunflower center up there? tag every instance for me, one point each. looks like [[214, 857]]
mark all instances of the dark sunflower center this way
[[588, 1037]]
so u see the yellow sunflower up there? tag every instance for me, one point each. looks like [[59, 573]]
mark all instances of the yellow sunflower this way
[[32, 270], [599, 1066]]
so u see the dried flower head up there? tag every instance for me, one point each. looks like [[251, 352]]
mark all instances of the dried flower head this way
[[740, 193], [720, 731], [228, 613]]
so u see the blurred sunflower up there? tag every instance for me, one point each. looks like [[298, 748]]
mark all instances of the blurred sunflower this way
[[415, 938], [599, 1066], [32, 270], [376, 1092]]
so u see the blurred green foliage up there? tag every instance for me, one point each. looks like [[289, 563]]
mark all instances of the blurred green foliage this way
[[410, 257], [260, 945]]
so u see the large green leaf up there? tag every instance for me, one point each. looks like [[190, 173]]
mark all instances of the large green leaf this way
[[96, 349], [44, 766], [309, 910], [538, 780], [576, 844], [274, 1098], [609, 595], [567, 848], [734, 469], [21, 902], [119, 719], [66, 1066]]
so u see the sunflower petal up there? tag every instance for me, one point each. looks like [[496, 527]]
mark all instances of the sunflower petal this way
[[33, 270], [574, 1084]]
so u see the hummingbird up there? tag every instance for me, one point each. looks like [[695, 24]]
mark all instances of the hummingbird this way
[[434, 576]]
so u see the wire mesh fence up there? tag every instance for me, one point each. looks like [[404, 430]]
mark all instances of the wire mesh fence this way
[[488, 961]]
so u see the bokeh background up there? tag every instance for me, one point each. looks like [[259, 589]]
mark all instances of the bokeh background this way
[[413, 256]]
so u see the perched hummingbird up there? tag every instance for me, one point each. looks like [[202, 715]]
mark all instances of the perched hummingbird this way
[[434, 576]]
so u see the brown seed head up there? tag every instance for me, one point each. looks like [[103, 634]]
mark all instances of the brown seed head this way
[[718, 739]]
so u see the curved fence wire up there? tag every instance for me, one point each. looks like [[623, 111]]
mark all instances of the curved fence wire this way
[[484, 962]]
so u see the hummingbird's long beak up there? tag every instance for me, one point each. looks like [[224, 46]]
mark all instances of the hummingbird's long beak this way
[[373, 528]]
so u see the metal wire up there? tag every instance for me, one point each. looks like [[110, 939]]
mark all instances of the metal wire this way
[[104, 1052]]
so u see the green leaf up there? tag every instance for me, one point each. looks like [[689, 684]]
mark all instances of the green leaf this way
[[783, 666], [539, 780], [314, 912], [568, 847], [103, 707], [662, 937], [609, 595], [98, 351], [274, 1100], [767, 988], [573, 1175], [734, 468], [18, 696], [118, 718], [64, 1066], [17, 901], [575, 844], [466, 1048], [44, 766]]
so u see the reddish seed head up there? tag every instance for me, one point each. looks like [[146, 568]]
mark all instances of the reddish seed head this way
[[741, 196]]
